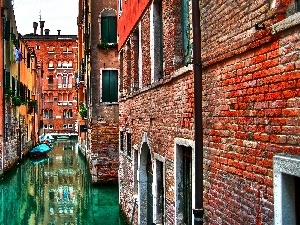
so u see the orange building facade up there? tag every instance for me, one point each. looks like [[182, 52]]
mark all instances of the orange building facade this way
[[18, 126]]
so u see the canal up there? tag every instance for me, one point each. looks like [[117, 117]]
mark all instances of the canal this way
[[56, 190]]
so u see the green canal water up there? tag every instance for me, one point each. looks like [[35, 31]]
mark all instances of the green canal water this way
[[56, 190]]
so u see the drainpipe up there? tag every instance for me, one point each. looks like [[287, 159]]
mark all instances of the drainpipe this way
[[198, 210]]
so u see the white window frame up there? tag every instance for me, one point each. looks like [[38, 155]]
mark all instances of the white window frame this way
[[285, 167]]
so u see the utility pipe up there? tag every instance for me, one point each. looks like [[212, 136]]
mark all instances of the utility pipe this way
[[198, 210]]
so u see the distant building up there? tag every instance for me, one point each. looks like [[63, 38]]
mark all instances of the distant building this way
[[57, 58]]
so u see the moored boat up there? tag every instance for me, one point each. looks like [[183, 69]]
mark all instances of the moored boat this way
[[40, 150]]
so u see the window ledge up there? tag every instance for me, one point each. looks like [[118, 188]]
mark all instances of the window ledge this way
[[285, 24]]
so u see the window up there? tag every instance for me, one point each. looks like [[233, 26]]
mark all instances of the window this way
[[50, 126], [156, 41], [65, 79], [67, 113], [287, 15], [59, 65], [50, 65], [50, 80], [187, 184], [70, 66], [109, 85], [293, 8], [109, 29], [51, 49], [185, 27], [50, 114], [121, 140], [46, 113], [286, 190], [67, 49], [184, 181], [65, 64], [120, 6], [128, 144]]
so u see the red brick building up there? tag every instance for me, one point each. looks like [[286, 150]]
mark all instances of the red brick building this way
[[57, 58], [98, 27], [156, 112], [250, 56]]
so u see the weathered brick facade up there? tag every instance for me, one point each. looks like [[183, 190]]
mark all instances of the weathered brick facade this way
[[250, 55], [156, 115], [103, 133], [250, 108]]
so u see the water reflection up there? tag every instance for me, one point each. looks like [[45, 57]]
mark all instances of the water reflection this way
[[56, 190]]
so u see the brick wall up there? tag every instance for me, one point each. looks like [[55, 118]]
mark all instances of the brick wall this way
[[251, 109], [103, 126], [153, 113]]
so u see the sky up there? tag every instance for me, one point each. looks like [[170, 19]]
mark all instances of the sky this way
[[57, 14]]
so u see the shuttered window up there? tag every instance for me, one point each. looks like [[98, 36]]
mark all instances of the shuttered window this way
[[7, 79], [109, 29], [109, 86]]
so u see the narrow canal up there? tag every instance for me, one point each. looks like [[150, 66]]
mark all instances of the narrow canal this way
[[56, 190]]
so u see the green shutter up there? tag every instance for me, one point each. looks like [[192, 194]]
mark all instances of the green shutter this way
[[104, 29], [7, 79], [109, 29], [112, 29], [109, 86], [185, 26], [105, 86], [7, 30], [114, 86]]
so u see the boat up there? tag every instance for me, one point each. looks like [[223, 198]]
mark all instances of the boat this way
[[40, 150], [46, 138]]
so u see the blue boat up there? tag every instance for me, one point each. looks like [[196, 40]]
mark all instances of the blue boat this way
[[40, 150]]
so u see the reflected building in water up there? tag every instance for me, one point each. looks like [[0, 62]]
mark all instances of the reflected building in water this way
[[57, 190]]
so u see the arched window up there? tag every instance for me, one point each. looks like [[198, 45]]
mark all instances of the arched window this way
[[50, 113], [46, 113]]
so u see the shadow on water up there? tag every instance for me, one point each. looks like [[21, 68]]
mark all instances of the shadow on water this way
[[56, 189]]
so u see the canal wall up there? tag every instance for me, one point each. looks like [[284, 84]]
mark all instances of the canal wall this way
[[101, 153]]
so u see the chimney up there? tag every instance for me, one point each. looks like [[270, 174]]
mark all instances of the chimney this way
[[42, 23], [35, 25], [47, 31], [58, 32]]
